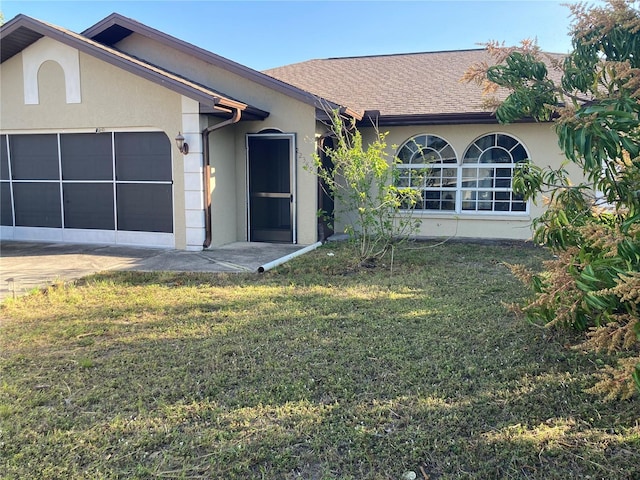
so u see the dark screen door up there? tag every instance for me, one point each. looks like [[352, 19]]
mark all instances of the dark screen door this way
[[326, 201], [270, 160]]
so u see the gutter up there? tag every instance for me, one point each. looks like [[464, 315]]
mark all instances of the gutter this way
[[206, 171], [437, 119]]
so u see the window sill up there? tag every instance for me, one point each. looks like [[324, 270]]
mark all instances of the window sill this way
[[519, 217]]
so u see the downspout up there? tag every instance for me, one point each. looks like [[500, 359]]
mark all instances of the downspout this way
[[279, 261], [206, 172]]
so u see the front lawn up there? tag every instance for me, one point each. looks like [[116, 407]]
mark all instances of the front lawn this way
[[314, 370]]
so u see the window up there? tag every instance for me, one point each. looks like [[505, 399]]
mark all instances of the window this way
[[36, 189], [118, 181], [481, 183], [429, 164], [487, 171]]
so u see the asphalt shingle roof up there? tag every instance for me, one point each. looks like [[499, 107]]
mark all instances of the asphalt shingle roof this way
[[403, 84]]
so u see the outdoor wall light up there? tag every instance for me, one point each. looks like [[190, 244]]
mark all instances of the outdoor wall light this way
[[182, 145]]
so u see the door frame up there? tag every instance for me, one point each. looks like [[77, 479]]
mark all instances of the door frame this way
[[292, 178]]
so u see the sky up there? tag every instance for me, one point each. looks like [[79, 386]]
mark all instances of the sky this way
[[265, 34]]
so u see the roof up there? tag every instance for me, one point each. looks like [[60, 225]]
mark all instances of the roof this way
[[400, 89], [22, 31], [404, 88]]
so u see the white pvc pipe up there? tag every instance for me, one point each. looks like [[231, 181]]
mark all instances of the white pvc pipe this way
[[286, 258]]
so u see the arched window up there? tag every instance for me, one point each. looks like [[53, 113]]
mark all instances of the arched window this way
[[428, 163], [487, 173]]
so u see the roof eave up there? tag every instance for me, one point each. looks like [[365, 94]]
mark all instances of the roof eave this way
[[11, 28], [94, 32], [324, 108], [226, 111], [461, 118]]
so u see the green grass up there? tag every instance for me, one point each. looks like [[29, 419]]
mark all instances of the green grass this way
[[315, 370]]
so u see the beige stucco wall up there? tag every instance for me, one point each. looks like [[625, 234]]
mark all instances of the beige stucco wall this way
[[111, 99], [539, 140], [227, 83], [223, 183]]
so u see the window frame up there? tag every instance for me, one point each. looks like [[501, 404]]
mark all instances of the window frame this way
[[499, 194], [492, 189], [441, 165]]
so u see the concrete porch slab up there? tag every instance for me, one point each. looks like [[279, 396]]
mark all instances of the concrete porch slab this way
[[28, 265]]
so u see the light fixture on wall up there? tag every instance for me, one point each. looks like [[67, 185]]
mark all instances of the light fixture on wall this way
[[182, 145]]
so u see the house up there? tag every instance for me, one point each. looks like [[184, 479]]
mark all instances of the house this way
[[125, 135]]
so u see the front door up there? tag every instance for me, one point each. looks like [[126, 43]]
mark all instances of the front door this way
[[270, 159], [326, 201]]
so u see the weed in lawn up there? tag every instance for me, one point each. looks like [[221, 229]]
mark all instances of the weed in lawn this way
[[86, 363]]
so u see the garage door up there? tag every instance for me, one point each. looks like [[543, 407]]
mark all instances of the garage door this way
[[87, 187]]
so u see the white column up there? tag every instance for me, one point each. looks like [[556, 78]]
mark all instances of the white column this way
[[193, 167]]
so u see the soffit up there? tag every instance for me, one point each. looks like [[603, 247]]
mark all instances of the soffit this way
[[17, 39]]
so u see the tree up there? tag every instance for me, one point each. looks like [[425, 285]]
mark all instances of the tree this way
[[593, 228], [361, 181]]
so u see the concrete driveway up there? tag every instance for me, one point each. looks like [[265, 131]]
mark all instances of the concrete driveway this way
[[27, 265]]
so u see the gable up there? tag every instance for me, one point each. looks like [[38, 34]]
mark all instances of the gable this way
[[22, 31], [126, 45], [52, 85]]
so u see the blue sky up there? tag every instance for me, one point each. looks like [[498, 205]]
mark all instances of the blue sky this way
[[265, 34]]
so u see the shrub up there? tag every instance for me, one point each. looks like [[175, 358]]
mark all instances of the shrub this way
[[361, 181], [593, 228]]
